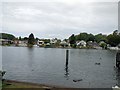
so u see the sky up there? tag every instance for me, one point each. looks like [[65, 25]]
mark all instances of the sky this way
[[58, 18]]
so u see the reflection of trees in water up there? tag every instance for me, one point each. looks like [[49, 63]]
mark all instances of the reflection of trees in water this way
[[30, 56]]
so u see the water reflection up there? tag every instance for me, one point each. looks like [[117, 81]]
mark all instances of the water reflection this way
[[66, 72], [31, 56], [66, 69]]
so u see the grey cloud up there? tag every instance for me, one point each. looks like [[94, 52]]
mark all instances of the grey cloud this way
[[58, 18]]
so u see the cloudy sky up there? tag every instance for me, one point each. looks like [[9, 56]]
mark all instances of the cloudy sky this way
[[58, 18]]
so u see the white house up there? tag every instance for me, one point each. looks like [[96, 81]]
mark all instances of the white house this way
[[113, 48], [81, 43], [22, 43], [40, 43], [64, 44], [53, 41]]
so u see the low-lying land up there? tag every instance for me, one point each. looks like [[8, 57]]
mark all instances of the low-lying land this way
[[16, 85], [10, 84]]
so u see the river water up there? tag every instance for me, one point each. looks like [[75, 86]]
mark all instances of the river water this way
[[86, 68]]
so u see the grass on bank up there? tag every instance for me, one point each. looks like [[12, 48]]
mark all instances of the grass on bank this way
[[13, 84]]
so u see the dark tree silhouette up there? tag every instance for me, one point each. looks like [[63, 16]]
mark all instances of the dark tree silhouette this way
[[113, 39], [31, 40], [7, 36], [72, 41]]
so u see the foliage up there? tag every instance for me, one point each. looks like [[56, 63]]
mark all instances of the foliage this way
[[36, 39], [25, 38], [103, 45], [82, 36], [66, 40], [31, 40], [90, 37], [20, 38], [46, 40], [113, 39], [85, 36], [100, 37], [72, 41], [116, 32], [7, 36]]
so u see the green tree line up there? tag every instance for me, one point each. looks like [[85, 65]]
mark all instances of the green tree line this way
[[112, 39], [7, 36]]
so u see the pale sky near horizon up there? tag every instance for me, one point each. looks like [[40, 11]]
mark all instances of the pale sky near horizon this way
[[58, 18]]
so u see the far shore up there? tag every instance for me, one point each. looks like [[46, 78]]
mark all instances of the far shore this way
[[63, 47], [52, 47]]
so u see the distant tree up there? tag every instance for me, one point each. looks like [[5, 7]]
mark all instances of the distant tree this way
[[46, 40], [103, 45], [113, 39], [31, 40], [57, 44], [66, 40], [72, 41], [90, 37], [100, 37], [20, 38], [116, 32], [36, 38], [0, 35], [25, 38], [82, 36], [85, 36], [7, 36]]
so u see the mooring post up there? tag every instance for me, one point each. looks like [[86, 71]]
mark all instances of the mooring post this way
[[67, 57], [118, 59]]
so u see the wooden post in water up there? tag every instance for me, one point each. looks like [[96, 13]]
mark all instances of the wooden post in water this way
[[118, 59], [67, 57]]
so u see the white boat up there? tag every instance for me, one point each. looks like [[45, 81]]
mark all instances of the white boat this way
[[116, 88], [113, 48]]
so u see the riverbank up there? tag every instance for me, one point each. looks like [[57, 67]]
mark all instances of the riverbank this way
[[18, 85], [96, 48], [56, 47], [9, 84]]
